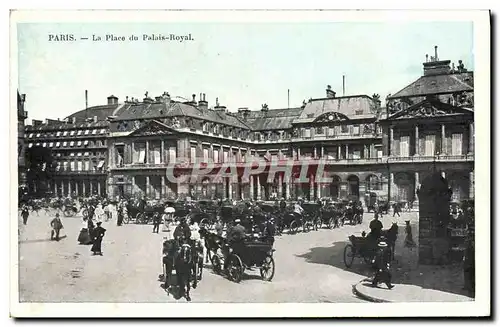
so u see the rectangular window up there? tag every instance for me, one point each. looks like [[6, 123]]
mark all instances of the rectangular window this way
[[331, 131], [64, 143], [216, 156], [307, 133], [344, 129], [157, 155], [31, 135], [355, 130], [94, 132], [72, 133], [58, 144], [356, 154], [44, 144], [86, 165], [120, 155], [87, 132], [79, 165], [58, 134], [30, 145], [86, 142], [456, 144], [319, 130], [72, 166], [72, 143], [430, 145], [193, 154], [79, 132], [51, 144], [65, 165], [225, 156], [79, 143], [171, 154], [65, 133], [404, 146], [205, 155], [100, 165]]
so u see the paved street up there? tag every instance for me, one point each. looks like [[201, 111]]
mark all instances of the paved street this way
[[309, 267]]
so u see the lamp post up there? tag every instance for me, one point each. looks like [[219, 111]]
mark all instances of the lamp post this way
[[389, 182]]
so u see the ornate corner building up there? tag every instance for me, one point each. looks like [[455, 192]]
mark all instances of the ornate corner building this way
[[127, 148]]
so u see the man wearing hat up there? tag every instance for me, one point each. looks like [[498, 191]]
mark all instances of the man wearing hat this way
[[97, 237], [235, 236], [56, 225], [382, 266], [182, 231]]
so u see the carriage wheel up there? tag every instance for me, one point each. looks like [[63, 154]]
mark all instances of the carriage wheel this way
[[293, 228], [331, 223], [349, 254], [216, 264], [267, 269], [68, 213], [318, 224], [139, 218], [235, 268]]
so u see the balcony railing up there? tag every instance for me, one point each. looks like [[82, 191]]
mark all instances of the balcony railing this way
[[437, 158], [80, 173]]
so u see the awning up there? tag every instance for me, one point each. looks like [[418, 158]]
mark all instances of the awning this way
[[101, 164]]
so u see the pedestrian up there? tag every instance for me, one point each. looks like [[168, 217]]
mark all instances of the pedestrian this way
[[107, 211], [97, 239], [409, 242], [84, 236], [156, 222], [382, 266], [469, 264], [397, 209], [219, 227], [56, 225], [119, 220], [25, 213]]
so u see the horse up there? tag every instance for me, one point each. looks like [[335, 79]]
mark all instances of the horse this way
[[213, 242], [179, 258], [391, 235]]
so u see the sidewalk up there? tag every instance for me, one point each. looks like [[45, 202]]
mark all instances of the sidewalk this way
[[403, 293]]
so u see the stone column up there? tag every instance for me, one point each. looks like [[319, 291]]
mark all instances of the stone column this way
[[148, 187], [338, 152], [417, 142], [322, 151], [224, 187], [147, 152], [417, 181], [69, 188], [91, 187], [298, 153], [318, 189], [163, 187], [251, 187], [258, 187], [366, 153], [471, 138], [133, 184], [230, 188], [471, 185], [280, 185], [347, 151], [443, 140], [311, 188], [390, 189], [162, 155], [287, 189], [315, 152], [55, 188], [98, 188], [391, 140]]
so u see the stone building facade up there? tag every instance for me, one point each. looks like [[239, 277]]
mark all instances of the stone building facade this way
[[428, 125], [21, 148]]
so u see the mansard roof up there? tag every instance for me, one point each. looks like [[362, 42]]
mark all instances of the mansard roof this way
[[356, 106], [102, 112], [272, 119], [437, 84]]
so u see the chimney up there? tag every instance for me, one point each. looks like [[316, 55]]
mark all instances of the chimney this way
[[165, 98], [426, 58], [112, 100], [158, 99], [265, 107], [243, 112], [147, 99], [435, 66], [202, 104], [87, 99], [436, 58], [329, 92], [218, 107]]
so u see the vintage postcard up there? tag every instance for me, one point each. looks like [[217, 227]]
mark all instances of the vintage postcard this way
[[250, 163]]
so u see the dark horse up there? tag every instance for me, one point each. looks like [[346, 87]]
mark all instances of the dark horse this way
[[179, 258], [391, 235], [213, 243]]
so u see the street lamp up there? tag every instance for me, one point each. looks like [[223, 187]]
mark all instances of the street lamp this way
[[389, 182]]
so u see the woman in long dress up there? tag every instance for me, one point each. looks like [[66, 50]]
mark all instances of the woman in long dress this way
[[409, 243], [84, 236]]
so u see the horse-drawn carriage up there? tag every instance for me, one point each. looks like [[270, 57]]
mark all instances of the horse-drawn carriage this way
[[353, 213], [142, 212], [186, 258], [251, 254], [331, 215]]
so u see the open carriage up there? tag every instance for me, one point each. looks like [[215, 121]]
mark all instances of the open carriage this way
[[360, 247], [253, 254]]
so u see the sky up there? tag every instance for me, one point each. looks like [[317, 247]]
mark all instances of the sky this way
[[241, 64]]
